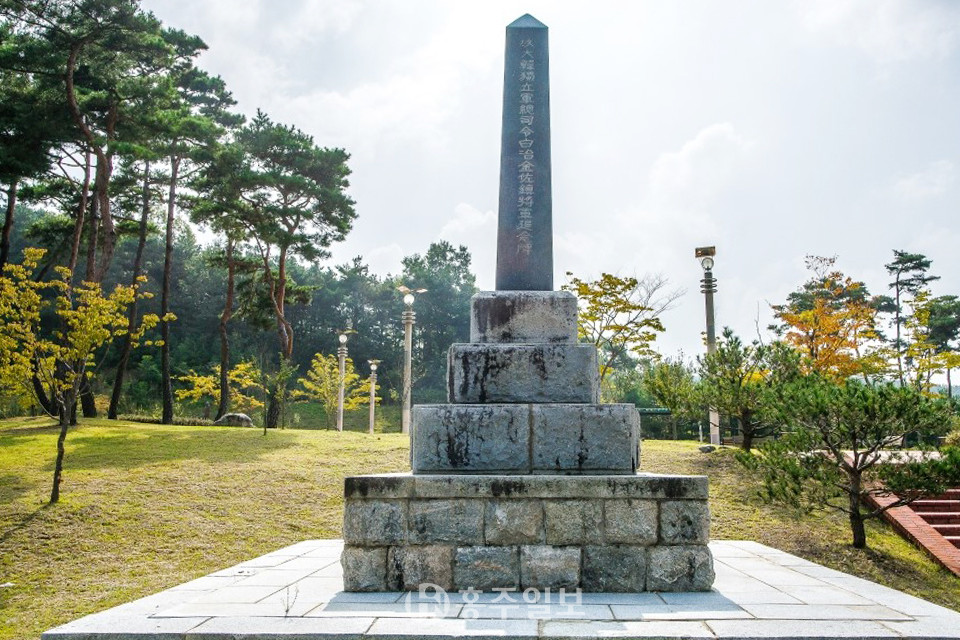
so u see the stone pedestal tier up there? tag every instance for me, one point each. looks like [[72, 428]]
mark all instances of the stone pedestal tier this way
[[526, 438], [502, 373], [597, 533], [527, 317]]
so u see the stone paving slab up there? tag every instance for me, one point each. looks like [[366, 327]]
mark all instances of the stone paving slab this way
[[760, 592]]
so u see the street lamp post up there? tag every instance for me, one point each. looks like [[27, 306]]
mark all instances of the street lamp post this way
[[342, 357], [409, 317], [373, 391], [708, 286]]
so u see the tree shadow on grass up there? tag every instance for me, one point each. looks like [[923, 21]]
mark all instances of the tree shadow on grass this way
[[12, 486], [24, 522], [126, 450], [27, 429]]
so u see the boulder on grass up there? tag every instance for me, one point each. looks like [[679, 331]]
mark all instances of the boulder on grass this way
[[234, 420]]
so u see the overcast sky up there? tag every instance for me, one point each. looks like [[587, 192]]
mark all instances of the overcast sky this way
[[772, 130]]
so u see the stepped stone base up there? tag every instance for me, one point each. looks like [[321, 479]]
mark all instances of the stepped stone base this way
[[526, 438], [642, 532]]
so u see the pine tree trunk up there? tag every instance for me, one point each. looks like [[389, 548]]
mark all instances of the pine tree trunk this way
[[78, 222], [92, 232], [746, 430], [127, 343], [166, 391], [856, 518], [224, 404], [278, 292], [857, 528], [8, 224], [896, 322]]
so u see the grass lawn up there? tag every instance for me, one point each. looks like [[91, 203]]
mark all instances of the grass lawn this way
[[145, 507]]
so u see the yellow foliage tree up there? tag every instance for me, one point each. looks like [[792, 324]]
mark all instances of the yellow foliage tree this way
[[832, 322], [621, 316], [244, 380], [20, 304], [322, 383], [86, 319]]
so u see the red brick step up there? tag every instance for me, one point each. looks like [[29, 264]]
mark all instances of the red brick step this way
[[927, 506], [940, 536], [947, 530], [940, 517]]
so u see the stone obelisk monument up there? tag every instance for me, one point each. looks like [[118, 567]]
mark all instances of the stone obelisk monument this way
[[525, 229], [523, 479]]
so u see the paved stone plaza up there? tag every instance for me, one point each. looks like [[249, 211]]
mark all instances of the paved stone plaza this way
[[297, 592]]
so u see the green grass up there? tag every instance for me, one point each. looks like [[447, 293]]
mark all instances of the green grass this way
[[145, 507]]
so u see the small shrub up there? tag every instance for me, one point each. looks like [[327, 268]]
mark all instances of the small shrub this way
[[952, 439]]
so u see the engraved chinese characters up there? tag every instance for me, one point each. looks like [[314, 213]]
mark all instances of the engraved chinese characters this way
[[524, 238]]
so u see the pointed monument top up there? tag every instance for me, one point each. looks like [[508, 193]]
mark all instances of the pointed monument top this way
[[526, 21]]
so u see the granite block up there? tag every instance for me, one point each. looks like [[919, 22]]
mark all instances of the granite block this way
[[457, 522], [374, 522], [522, 373], [684, 522], [618, 569], [485, 568], [573, 521], [630, 521], [679, 568], [590, 438], [411, 566], [546, 566], [364, 569], [523, 316], [513, 522], [471, 438]]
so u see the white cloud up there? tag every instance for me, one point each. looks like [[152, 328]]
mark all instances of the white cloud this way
[[306, 20], [477, 230], [468, 221], [690, 177], [933, 181], [385, 259], [404, 109], [887, 30]]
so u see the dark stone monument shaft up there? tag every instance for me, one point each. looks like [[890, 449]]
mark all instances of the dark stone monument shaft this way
[[525, 227]]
